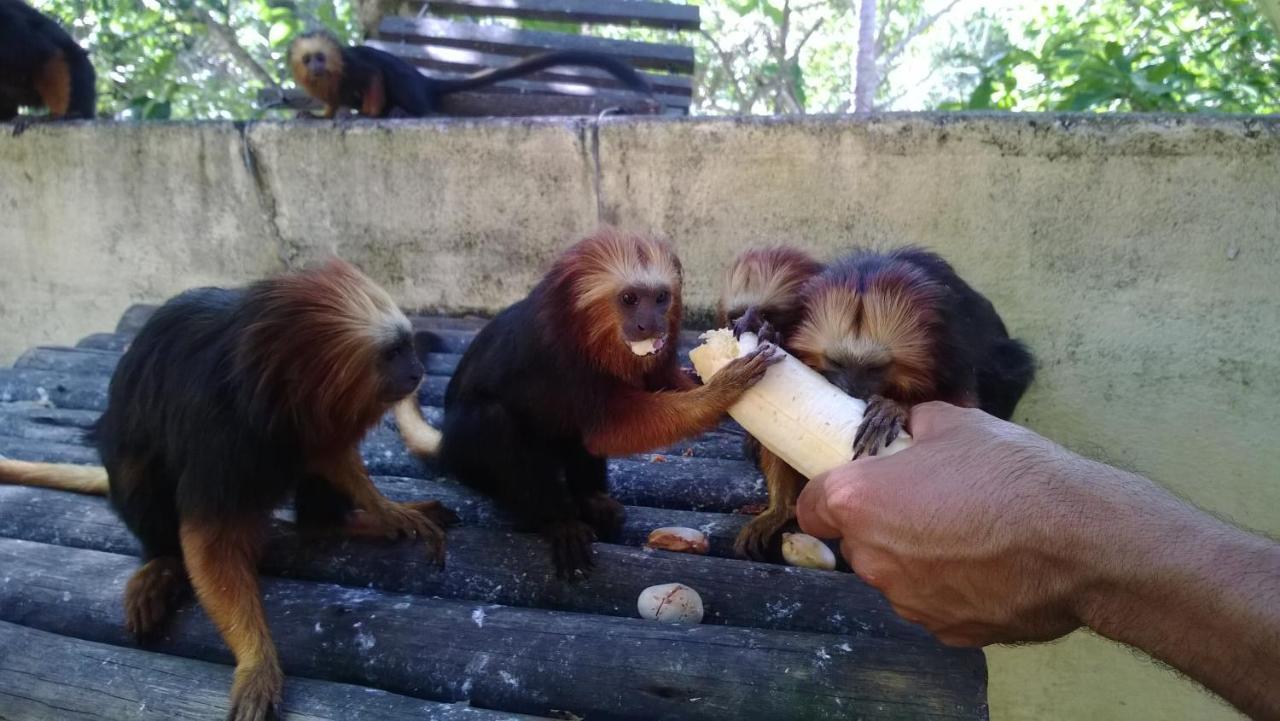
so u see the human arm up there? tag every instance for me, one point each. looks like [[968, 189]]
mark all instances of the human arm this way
[[985, 532]]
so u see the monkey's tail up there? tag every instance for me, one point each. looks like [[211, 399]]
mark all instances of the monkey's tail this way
[[626, 74], [60, 476], [420, 437]]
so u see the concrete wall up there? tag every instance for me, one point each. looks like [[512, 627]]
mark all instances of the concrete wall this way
[[1139, 257]]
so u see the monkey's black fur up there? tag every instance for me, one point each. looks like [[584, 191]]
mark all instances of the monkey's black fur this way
[[975, 355], [29, 43], [190, 435], [416, 95], [515, 414]]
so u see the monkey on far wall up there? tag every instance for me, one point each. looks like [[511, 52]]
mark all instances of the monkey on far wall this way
[[41, 66], [584, 368], [227, 403], [893, 329], [379, 84]]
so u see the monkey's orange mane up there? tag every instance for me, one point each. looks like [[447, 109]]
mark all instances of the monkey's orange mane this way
[[584, 284], [326, 89], [766, 278], [891, 313], [314, 346]]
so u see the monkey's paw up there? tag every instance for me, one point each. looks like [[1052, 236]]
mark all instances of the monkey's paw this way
[[437, 512], [151, 595], [604, 514], [255, 692], [881, 425], [404, 520], [743, 372], [760, 539], [571, 548]]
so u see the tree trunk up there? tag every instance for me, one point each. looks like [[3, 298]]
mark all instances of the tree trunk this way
[[867, 79]]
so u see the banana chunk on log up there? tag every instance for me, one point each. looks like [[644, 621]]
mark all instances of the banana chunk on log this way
[[793, 411]]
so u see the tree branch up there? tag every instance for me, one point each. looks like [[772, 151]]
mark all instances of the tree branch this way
[[227, 36], [914, 32], [866, 81]]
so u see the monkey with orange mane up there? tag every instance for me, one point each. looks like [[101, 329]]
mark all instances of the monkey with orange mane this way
[[227, 403], [583, 368], [893, 329]]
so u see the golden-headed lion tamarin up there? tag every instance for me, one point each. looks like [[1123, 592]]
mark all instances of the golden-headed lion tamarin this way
[[893, 329], [379, 84], [582, 369], [42, 66], [227, 403]]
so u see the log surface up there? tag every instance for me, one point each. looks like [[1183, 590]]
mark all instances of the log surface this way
[[365, 629]]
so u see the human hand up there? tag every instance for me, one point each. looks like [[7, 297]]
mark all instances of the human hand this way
[[976, 532]]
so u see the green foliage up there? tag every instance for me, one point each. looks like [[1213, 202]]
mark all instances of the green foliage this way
[[162, 59], [1122, 55]]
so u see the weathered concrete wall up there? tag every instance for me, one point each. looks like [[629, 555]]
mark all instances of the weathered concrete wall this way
[[1139, 257]]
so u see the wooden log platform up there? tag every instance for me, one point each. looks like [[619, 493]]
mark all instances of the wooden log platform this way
[[375, 631]]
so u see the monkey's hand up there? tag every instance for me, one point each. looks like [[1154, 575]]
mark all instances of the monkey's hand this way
[[571, 548], [742, 373], [255, 691], [422, 521], [759, 540], [882, 422], [151, 595], [604, 514]]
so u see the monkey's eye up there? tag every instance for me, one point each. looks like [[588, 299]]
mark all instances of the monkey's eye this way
[[630, 298], [663, 297]]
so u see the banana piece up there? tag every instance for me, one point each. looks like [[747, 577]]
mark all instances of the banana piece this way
[[793, 411]]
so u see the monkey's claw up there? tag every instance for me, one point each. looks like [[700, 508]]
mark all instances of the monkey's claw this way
[[881, 425], [571, 548], [604, 514], [749, 322], [402, 520], [759, 539], [255, 693], [151, 595]]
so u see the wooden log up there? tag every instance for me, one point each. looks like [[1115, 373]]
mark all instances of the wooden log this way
[[133, 318], [105, 341], [513, 569], [89, 392], [505, 40], [47, 677], [460, 60], [665, 15], [522, 660], [103, 362], [676, 482]]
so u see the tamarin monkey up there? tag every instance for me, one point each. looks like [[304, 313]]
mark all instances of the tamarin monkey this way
[[41, 66], [226, 403], [378, 84], [583, 368], [893, 329]]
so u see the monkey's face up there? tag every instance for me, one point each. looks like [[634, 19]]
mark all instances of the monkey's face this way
[[399, 368], [859, 367], [315, 63], [643, 317]]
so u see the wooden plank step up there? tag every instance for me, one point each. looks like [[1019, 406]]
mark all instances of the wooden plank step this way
[[522, 660], [664, 15], [510, 41], [490, 565], [441, 60], [48, 677]]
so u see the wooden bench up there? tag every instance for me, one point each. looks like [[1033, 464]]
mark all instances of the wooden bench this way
[[443, 39]]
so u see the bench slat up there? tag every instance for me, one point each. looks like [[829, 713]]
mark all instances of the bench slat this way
[[510, 41], [607, 12]]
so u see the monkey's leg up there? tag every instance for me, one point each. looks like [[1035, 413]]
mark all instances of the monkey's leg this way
[[375, 516], [53, 83], [588, 480], [139, 495], [489, 449], [222, 558], [759, 538], [881, 424]]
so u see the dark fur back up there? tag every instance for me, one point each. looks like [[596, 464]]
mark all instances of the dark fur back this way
[[976, 354], [406, 88], [176, 425]]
